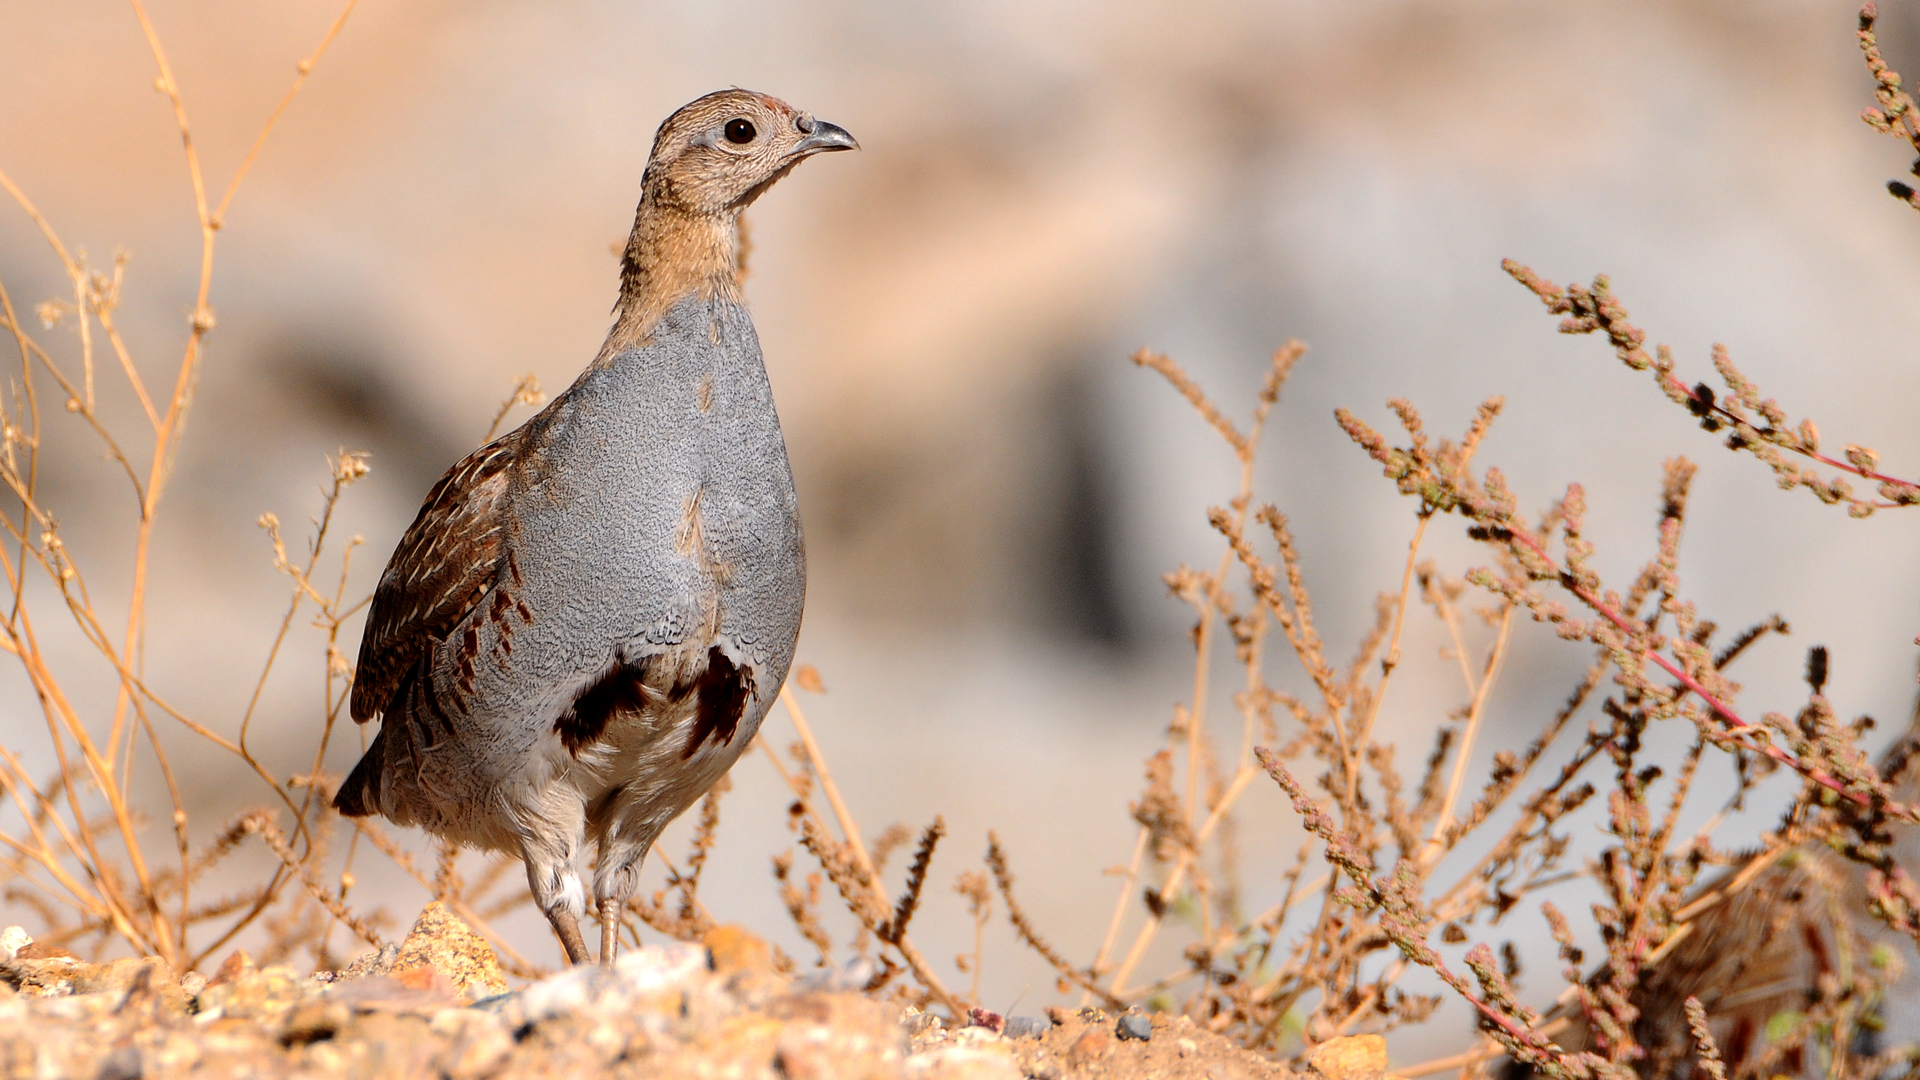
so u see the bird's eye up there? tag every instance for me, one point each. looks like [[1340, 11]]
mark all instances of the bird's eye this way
[[740, 130]]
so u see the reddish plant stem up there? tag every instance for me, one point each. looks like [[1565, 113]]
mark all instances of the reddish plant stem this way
[[1818, 776], [1843, 466], [1524, 1036]]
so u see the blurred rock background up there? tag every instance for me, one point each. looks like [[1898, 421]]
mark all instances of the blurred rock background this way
[[990, 490]]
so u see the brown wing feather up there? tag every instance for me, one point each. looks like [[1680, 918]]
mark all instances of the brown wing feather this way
[[444, 564]]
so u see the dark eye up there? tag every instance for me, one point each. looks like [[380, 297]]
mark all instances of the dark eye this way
[[740, 130]]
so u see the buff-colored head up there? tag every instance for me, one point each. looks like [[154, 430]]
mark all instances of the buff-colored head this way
[[716, 154], [712, 157]]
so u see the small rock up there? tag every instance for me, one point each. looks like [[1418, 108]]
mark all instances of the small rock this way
[[745, 961], [1026, 1027], [12, 940], [1350, 1057], [979, 1017], [1090, 1047], [444, 942], [237, 964], [34, 950], [378, 962], [1134, 1026], [732, 948]]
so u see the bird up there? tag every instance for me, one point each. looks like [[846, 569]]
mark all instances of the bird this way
[[591, 615]]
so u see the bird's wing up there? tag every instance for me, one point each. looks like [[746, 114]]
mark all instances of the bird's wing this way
[[444, 564]]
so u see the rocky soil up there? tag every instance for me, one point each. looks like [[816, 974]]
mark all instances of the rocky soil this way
[[437, 1005]]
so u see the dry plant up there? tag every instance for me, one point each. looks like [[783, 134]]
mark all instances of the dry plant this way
[[80, 852], [1751, 962], [1401, 864], [77, 851]]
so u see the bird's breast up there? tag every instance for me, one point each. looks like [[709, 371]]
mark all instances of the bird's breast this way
[[665, 507]]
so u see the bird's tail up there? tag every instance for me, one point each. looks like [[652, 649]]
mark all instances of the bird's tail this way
[[359, 795]]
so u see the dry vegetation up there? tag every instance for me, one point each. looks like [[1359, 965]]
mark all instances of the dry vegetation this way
[[1745, 962]]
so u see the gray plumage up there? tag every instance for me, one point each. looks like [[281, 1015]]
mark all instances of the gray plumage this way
[[592, 614]]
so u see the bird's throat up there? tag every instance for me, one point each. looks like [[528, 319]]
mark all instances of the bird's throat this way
[[670, 256]]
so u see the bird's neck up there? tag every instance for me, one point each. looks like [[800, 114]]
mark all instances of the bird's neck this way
[[670, 256]]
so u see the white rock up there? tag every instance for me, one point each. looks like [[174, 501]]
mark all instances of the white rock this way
[[12, 940], [653, 968], [558, 995]]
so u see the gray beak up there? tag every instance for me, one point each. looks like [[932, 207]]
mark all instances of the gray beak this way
[[821, 136]]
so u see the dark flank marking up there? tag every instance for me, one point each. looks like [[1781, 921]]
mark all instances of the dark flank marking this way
[[497, 614], [723, 691], [720, 694], [619, 690], [469, 651]]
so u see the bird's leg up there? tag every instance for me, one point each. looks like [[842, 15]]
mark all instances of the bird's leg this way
[[616, 874], [609, 929], [567, 925]]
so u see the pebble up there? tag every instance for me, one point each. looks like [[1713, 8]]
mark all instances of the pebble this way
[[12, 940], [1350, 1057], [1026, 1027], [1134, 1026]]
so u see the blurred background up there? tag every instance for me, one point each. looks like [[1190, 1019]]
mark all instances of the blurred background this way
[[991, 491]]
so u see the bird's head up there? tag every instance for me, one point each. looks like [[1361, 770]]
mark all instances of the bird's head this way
[[716, 154]]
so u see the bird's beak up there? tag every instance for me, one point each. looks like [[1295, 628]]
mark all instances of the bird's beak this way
[[822, 136]]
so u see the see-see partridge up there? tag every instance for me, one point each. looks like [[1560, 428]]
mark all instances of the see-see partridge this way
[[586, 623]]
